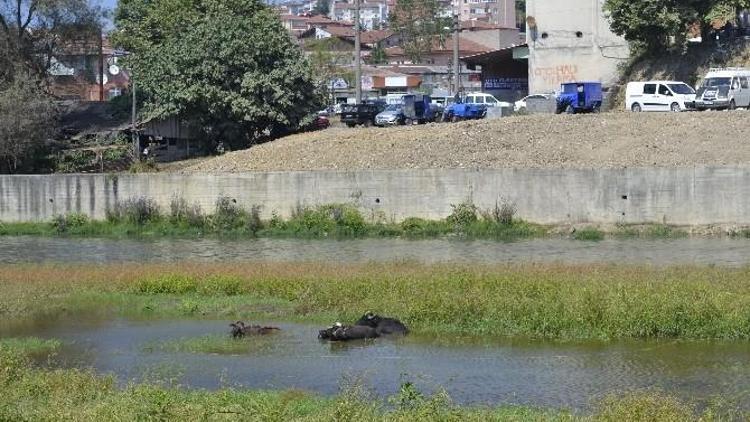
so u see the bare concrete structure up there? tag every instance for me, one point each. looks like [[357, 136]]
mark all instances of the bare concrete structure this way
[[571, 41], [683, 196]]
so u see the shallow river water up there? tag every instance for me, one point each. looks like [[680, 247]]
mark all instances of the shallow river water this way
[[717, 251], [570, 375], [538, 373]]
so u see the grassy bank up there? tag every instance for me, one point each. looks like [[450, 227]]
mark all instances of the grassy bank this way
[[143, 217], [30, 393], [540, 301]]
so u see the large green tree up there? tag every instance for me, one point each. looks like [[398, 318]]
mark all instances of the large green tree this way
[[420, 25], [650, 24], [227, 65]]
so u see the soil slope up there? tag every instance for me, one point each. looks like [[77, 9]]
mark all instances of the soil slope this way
[[608, 140]]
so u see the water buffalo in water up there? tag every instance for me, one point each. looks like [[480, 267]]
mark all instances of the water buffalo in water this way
[[383, 325], [339, 332], [239, 329]]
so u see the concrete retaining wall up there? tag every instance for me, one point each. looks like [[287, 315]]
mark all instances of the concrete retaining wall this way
[[688, 196]]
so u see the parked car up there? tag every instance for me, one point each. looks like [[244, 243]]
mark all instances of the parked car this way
[[317, 122], [487, 99], [360, 114], [393, 115], [726, 88], [463, 110], [521, 104], [659, 96], [580, 97]]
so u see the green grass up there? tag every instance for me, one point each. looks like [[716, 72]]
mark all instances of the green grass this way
[[29, 345], [311, 224], [530, 301], [31, 393], [589, 234]]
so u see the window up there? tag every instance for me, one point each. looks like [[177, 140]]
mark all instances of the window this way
[[491, 100], [735, 83], [649, 89], [681, 89], [744, 83], [470, 99], [663, 90]]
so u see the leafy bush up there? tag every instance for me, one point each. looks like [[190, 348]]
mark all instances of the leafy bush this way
[[182, 212], [463, 215], [502, 213], [227, 214], [135, 210], [62, 223]]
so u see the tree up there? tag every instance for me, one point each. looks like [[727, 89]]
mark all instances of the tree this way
[[649, 24], [32, 31], [322, 7], [377, 55], [420, 24], [27, 116], [227, 65], [330, 58]]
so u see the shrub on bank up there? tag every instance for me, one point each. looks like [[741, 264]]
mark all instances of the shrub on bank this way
[[137, 211]]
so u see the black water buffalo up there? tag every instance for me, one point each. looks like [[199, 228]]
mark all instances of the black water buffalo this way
[[239, 329], [383, 325], [339, 332]]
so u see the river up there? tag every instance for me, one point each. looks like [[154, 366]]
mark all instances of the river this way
[[701, 251]]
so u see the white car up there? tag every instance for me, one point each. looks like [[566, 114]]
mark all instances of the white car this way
[[659, 96], [487, 99], [521, 104]]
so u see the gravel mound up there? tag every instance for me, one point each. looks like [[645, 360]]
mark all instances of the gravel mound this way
[[607, 140]]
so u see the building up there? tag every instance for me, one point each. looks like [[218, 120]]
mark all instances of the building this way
[[498, 12], [571, 41], [372, 14], [504, 72], [87, 70], [441, 53], [490, 35]]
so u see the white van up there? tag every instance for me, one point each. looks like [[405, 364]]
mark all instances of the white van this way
[[726, 88], [487, 99], [659, 96]]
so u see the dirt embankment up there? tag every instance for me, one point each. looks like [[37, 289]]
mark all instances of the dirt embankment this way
[[608, 140]]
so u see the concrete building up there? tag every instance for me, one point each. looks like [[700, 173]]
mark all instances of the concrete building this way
[[571, 41], [504, 72], [499, 12], [372, 14]]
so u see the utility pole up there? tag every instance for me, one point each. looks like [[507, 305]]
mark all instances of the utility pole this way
[[133, 129], [101, 64], [357, 55], [456, 63]]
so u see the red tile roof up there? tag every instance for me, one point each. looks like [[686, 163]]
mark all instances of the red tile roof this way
[[465, 46], [371, 37]]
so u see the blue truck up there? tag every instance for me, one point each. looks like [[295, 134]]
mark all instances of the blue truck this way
[[461, 110], [580, 97]]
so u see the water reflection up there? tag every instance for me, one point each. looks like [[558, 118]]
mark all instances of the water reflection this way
[[484, 371], [718, 251]]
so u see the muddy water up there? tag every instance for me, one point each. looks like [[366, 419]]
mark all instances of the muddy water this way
[[723, 252], [473, 371]]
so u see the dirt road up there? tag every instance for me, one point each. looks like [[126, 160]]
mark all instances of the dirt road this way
[[608, 140]]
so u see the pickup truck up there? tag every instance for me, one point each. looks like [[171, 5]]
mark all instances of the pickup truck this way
[[360, 114]]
